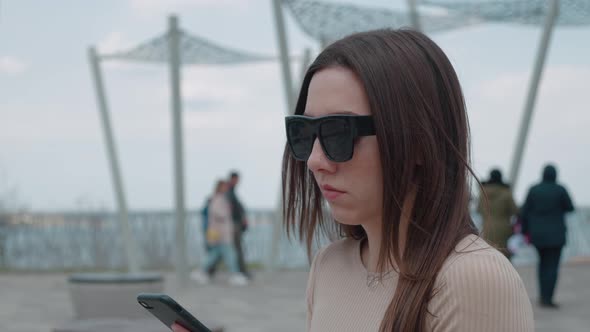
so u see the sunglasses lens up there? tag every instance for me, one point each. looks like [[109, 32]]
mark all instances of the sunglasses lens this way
[[336, 137], [300, 136]]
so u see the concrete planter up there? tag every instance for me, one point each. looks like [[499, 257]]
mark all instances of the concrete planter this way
[[105, 302], [112, 295], [118, 325]]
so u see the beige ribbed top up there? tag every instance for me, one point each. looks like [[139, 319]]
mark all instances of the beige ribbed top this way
[[479, 290]]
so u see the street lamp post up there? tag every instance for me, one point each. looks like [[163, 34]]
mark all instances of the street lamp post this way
[[533, 91], [414, 18], [178, 153], [129, 241]]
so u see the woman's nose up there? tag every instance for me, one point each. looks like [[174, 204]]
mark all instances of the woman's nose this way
[[318, 161]]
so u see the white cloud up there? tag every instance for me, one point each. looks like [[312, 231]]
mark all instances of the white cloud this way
[[114, 42], [242, 89], [207, 82], [203, 83], [11, 65], [555, 80]]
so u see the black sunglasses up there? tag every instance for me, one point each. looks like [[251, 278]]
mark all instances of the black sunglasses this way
[[335, 132]]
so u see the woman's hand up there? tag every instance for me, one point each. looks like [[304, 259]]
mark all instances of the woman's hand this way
[[527, 238], [177, 328]]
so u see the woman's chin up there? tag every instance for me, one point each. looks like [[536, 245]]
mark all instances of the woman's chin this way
[[345, 217]]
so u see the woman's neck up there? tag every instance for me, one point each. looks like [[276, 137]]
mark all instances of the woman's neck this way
[[370, 249]]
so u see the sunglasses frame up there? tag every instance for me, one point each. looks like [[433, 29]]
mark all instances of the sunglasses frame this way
[[360, 125]]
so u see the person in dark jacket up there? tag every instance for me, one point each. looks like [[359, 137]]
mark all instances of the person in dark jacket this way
[[496, 206], [238, 214], [240, 222], [543, 222]]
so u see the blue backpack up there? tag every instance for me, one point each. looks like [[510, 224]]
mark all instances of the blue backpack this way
[[205, 216]]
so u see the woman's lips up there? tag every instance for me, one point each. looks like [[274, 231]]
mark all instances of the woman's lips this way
[[331, 193]]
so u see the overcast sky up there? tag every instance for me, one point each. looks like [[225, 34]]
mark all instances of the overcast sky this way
[[51, 144]]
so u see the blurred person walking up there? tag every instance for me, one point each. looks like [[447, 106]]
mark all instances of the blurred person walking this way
[[543, 223], [238, 214], [496, 206], [219, 236], [205, 221]]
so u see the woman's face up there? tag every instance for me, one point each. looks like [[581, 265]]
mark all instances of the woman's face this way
[[354, 189], [223, 187]]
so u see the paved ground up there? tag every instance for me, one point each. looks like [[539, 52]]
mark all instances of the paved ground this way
[[275, 302]]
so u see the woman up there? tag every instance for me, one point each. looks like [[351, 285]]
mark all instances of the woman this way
[[497, 207], [381, 135], [219, 237]]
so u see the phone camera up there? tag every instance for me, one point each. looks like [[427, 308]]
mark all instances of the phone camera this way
[[145, 305]]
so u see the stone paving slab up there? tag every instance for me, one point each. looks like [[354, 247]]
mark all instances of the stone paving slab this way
[[274, 302]]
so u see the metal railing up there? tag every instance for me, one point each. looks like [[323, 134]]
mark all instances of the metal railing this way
[[64, 241], [31, 241]]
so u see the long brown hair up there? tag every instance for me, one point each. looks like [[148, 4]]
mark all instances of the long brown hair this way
[[423, 137]]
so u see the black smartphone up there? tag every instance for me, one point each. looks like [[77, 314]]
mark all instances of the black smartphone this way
[[169, 312]]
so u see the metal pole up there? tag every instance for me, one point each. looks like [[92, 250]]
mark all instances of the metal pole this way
[[305, 62], [128, 240], [290, 101], [175, 63], [277, 228], [414, 18], [284, 53], [533, 89]]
